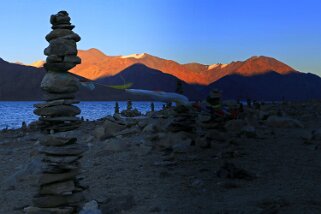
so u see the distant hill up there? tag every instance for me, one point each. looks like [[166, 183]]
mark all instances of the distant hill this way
[[96, 64]]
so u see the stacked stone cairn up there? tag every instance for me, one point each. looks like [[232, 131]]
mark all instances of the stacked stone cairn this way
[[184, 120], [59, 86], [60, 191]]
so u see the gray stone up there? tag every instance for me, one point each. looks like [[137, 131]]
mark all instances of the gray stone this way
[[60, 159], [60, 168], [168, 140], [90, 208], [47, 178], [107, 130], [59, 66], [118, 204], [62, 17], [36, 210], [72, 36], [59, 119], [61, 47], [55, 103], [63, 26], [150, 128], [61, 110], [72, 59], [60, 188], [54, 59], [57, 82], [128, 131], [57, 200], [115, 145], [58, 33], [59, 125], [72, 150], [55, 96], [50, 140], [99, 132]]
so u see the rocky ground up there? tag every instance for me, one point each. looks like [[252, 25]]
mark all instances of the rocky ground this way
[[268, 161]]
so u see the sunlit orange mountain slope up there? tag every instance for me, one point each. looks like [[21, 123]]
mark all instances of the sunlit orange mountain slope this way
[[95, 65]]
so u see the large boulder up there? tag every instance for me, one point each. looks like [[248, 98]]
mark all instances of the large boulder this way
[[64, 34], [57, 33], [55, 82], [59, 110], [59, 66], [61, 47], [108, 129]]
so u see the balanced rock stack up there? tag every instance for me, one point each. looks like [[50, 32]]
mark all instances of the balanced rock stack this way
[[59, 86], [184, 120], [59, 190]]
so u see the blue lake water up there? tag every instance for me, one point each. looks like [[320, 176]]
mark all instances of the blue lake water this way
[[12, 114]]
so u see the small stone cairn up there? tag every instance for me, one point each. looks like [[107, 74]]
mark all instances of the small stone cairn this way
[[184, 120], [59, 190]]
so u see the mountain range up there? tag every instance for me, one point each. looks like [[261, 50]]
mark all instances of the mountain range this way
[[95, 65], [261, 78]]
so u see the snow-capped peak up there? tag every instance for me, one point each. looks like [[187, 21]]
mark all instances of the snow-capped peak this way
[[136, 56], [216, 65]]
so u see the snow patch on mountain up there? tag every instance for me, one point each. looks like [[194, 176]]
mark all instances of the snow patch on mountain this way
[[136, 56]]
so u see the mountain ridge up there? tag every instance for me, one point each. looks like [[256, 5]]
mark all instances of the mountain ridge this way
[[20, 82], [96, 64]]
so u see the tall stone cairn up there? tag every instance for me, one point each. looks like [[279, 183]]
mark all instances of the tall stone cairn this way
[[59, 190], [59, 86]]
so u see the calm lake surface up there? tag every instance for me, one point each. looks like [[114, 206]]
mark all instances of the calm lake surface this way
[[13, 113]]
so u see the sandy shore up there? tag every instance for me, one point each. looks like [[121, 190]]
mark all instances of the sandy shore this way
[[267, 162]]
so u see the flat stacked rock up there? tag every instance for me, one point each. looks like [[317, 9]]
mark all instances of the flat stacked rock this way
[[58, 112], [59, 190]]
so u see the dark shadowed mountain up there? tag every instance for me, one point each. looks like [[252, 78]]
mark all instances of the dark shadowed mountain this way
[[270, 86], [19, 82], [146, 78]]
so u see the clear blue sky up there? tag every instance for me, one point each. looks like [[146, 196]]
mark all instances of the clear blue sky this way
[[205, 31]]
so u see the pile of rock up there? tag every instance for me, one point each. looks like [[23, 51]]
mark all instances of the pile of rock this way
[[59, 86], [184, 120], [129, 111], [59, 190]]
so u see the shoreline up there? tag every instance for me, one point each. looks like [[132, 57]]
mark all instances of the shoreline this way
[[250, 165]]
